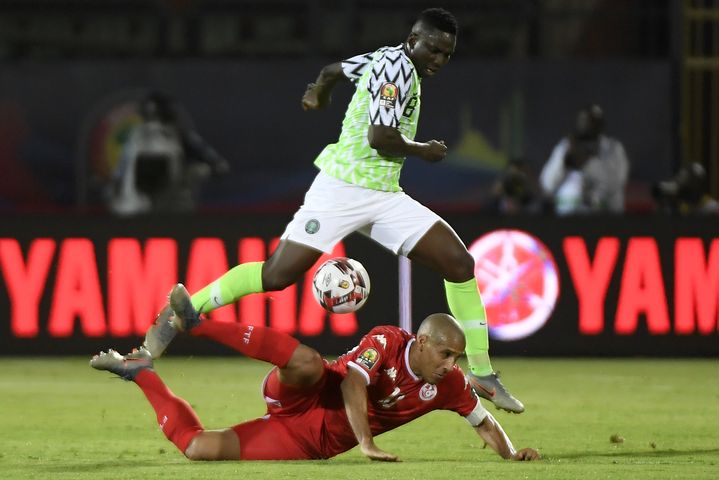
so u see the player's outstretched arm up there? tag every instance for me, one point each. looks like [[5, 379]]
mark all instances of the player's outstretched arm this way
[[492, 433], [319, 94], [389, 142], [354, 393]]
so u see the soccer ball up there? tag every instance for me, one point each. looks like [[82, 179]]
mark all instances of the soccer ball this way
[[341, 285]]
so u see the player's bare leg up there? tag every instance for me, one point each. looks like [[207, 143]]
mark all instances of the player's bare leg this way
[[287, 265], [305, 367], [214, 445], [441, 250]]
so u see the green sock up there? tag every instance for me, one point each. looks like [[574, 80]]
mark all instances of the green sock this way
[[239, 281], [466, 306]]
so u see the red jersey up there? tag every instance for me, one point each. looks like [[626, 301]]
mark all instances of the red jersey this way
[[395, 394], [304, 423]]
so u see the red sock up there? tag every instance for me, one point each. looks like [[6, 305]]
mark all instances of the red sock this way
[[176, 418], [261, 343]]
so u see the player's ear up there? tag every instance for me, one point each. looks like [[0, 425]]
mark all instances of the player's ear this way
[[412, 40]]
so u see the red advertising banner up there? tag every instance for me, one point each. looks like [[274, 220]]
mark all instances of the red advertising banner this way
[[583, 286]]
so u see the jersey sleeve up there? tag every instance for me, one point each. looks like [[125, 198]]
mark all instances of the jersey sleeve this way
[[477, 415], [390, 87], [371, 353], [353, 68], [462, 399]]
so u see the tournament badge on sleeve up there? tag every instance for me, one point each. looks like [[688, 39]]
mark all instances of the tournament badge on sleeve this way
[[388, 95], [368, 358]]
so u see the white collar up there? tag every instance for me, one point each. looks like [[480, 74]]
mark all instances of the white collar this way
[[406, 360]]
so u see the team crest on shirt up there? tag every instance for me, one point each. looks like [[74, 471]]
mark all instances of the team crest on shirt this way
[[312, 226], [367, 358], [388, 94], [427, 392]]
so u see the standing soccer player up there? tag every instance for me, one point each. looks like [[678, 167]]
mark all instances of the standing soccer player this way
[[359, 179]]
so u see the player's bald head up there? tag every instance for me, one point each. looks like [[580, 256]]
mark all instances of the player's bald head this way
[[441, 328], [440, 342]]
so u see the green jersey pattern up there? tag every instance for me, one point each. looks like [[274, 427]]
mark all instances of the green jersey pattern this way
[[387, 93]]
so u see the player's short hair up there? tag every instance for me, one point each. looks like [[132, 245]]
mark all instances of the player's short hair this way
[[440, 19]]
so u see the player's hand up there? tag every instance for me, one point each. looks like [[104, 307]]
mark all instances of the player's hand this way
[[436, 151], [314, 98], [526, 454], [376, 454]]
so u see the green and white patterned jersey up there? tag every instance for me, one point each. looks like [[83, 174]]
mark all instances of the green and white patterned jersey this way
[[387, 93]]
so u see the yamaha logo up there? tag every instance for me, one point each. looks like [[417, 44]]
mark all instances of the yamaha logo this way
[[518, 280]]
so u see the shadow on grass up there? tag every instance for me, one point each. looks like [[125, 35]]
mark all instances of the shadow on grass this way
[[670, 452], [125, 463], [117, 464]]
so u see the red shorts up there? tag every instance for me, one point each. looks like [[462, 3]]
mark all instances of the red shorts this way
[[295, 425]]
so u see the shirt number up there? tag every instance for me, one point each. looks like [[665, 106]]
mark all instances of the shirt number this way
[[411, 105]]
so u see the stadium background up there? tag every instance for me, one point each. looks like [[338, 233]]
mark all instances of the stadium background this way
[[238, 68], [75, 279]]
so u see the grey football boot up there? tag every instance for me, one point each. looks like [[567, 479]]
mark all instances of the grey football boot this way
[[491, 388], [126, 367], [161, 333], [186, 317]]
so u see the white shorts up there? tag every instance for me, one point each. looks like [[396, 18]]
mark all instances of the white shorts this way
[[334, 208]]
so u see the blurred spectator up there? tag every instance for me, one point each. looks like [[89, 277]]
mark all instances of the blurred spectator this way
[[163, 163], [587, 171], [686, 193], [20, 187], [515, 191]]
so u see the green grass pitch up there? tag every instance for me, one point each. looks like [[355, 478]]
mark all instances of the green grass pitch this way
[[59, 419]]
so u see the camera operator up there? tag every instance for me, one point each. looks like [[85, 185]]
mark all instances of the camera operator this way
[[685, 193], [514, 192], [587, 170], [163, 161]]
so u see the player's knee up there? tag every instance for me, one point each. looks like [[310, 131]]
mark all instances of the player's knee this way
[[305, 358], [305, 366], [274, 280], [213, 445], [460, 267], [198, 450]]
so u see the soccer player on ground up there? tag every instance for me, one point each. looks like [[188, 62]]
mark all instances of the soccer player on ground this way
[[317, 409], [357, 189]]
